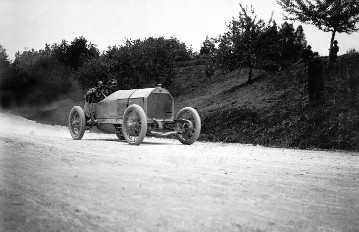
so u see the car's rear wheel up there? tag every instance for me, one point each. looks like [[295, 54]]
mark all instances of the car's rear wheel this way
[[188, 132], [134, 125], [77, 122]]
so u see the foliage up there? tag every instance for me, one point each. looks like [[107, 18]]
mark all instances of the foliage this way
[[79, 52], [351, 51], [208, 53], [5, 72], [208, 47], [4, 63], [95, 70], [4, 59], [332, 16], [246, 34], [287, 41], [250, 42], [37, 77], [137, 64], [225, 57], [75, 54]]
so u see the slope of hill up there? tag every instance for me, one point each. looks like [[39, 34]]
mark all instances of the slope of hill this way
[[274, 110]]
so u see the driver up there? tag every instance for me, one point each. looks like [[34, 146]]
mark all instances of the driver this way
[[110, 87], [94, 93], [98, 94], [93, 96]]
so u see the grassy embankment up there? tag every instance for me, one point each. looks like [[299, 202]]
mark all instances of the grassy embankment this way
[[272, 111], [275, 110]]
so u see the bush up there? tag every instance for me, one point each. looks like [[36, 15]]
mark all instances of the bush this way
[[138, 64], [34, 78]]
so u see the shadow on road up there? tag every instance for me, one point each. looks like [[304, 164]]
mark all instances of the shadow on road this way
[[123, 141]]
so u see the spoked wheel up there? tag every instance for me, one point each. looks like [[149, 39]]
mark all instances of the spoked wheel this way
[[120, 136], [188, 132], [77, 122], [134, 125]]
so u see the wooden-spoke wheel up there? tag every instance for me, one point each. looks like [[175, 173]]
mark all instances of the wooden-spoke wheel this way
[[77, 122], [188, 132], [134, 125]]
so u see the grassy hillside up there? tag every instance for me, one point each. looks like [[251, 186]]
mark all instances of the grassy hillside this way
[[273, 111]]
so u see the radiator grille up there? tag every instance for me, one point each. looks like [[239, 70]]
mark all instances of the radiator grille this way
[[159, 106]]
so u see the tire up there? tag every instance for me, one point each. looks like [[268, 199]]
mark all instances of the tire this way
[[120, 136], [189, 131], [77, 122], [134, 125]]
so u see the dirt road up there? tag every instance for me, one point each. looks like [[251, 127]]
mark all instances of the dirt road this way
[[49, 182]]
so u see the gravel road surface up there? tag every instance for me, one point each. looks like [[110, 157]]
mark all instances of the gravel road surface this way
[[49, 182]]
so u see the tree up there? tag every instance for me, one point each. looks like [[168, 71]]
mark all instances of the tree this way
[[224, 56], [208, 53], [60, 51], [80, 51], [250, 42], [208, 47], [4, 60], [179, 50], [300, 39], [246, 33], [4, 63], [332, 16], [137, 64], [287, 40], [4, 67], [268, 45]]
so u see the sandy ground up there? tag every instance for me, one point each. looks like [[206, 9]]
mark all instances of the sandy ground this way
[[49, 182]]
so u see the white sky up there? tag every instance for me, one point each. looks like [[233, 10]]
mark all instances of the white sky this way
[[27, 24]]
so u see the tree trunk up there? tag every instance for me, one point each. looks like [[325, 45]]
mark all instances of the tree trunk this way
[[330, 58]]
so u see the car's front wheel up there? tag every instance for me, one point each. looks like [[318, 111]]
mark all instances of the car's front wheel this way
[[134, 125]]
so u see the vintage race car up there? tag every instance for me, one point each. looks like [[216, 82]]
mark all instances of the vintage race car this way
[[133, 114]]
